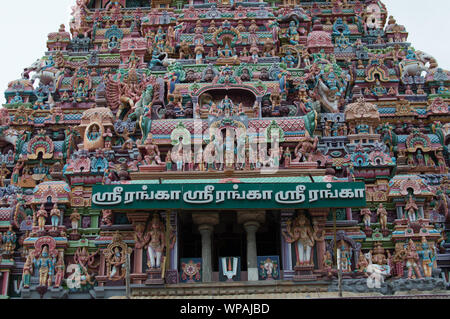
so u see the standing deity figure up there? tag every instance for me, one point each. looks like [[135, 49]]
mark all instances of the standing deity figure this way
[[44, 264], [55, 214], [346, 255], [59, 269], [16, 170], [382, 215], [9, 241], [412, 258], [177, 156], [328, 263], [157, 243], [411, 209], [428, 257], [74, 218], [141, 239], [116, 262], [399, 260], [301, 233], [199, 52], [420, 158], [287, 157], [366, 214], [362, 263], [27, 270], [41, 215]]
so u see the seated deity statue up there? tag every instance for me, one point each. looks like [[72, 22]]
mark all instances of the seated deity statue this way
[[94, 133], [305, 148], [227, 55]]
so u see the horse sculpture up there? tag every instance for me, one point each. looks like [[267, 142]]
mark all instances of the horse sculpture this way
[[46, 72]]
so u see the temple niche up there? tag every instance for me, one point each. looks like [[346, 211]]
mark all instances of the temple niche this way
[[202, 147], [96, 123]]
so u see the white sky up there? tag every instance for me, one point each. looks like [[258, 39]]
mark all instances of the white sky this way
[[25, 24]]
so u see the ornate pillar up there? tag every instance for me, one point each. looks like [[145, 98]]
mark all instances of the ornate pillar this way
[[195, 107], [259, 101], [286, 248], [348, 212], [206, 222], [399, 212], [251, 222], [5, 283], [102, 270], [137, 218], [319, 218]]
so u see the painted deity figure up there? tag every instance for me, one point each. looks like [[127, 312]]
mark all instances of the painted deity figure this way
[[59, 270], [292, 33], [152, 156], [428, 257], [226, 107], [94, 133], [55, 215], [16, 170], [328, 263], [108, 138], [366, 215], [411, 209], [9, 241], [116, 262], [156, 243], [74, 219], [27, 270], [301, 233], [80, 92], [362, 263], [378, 255], [44, 264], [382, 215], [84, 260], [346, 254], [289, 59], [412, 259], [41, 215], [420, 158], [199, 51], [398, 260], [304, 148]]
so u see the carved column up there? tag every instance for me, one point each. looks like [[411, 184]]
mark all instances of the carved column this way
[[251, 222], [319, 217], [206, 222], [286, 248], [348, 212], [195, 106], [137, 218]]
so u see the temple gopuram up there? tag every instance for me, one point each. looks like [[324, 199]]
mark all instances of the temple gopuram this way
[[174, 148]]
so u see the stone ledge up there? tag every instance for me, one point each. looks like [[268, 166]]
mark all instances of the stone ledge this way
[[221, 174]]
